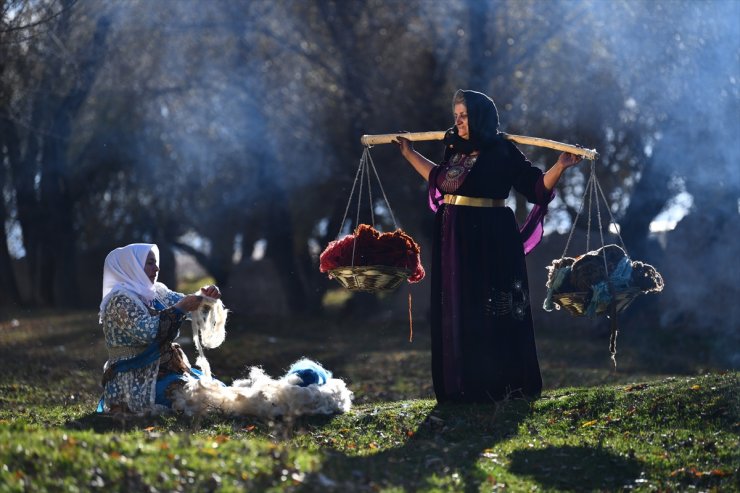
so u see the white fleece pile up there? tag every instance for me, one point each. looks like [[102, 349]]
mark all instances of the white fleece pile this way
[[265, 397], [259, 394]]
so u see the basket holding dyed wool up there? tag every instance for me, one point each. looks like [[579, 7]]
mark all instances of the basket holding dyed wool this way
[[372, 261], [589, 284]]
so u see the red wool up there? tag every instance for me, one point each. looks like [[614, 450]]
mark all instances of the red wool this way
[[395, 249]]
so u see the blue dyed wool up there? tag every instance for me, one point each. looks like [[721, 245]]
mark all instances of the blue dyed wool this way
[[310, 372], [560, 276], [621, 278]]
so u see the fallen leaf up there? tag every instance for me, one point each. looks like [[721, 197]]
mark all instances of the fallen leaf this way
[[720, 473], [637, 386], [589, 423]]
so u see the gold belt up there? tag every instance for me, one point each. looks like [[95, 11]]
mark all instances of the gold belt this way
[[473, 201]]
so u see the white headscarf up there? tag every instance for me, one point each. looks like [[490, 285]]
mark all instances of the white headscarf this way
[[124, 269]]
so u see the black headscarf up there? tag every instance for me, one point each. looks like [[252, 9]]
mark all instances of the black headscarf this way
[[482, 124]]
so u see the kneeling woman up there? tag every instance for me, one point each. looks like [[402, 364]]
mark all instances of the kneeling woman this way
[[141, 318]]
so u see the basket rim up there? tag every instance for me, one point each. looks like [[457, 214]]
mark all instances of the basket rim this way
[[576, 301], [352, 269], [631, 290], [360, 277]]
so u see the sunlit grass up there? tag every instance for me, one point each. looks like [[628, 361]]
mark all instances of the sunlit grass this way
[[606, 431], [669, 434]]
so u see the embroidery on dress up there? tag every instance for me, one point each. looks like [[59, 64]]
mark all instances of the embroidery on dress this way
[[470, 161], [457, 169], [512, 303]]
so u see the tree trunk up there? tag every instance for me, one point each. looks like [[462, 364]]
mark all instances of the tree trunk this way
[[647, 199], [477, 44], [49, 219], [279, 233], [8, 284]]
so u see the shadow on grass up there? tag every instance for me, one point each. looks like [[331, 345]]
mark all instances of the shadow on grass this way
[[118, 423], [576, 468], [442, 452], [103, 423]]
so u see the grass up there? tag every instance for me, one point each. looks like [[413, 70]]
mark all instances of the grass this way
[[661, 423]]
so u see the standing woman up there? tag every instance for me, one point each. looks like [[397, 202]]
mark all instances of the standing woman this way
[[141, 318], [483, 346]]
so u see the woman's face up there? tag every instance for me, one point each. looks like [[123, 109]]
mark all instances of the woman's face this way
[[151, 268], [461, 121]]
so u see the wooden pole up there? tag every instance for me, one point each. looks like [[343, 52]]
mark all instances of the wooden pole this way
[[370, 140]]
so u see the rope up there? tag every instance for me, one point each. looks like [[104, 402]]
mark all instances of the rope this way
[[575, 220], [590, 208], [346, 209], [380, 184], [593, 192], [363, 165], [601, 233], [370, 193], [363, 174], [611, 217]]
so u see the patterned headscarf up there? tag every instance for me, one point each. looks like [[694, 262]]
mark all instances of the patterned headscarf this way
[[124, 269]]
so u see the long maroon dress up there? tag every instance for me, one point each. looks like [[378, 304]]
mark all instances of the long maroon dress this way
[[483, 346]]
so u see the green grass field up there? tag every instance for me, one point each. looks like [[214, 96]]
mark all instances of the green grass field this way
[[662, 422]]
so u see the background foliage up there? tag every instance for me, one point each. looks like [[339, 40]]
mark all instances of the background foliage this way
[[212, 128]]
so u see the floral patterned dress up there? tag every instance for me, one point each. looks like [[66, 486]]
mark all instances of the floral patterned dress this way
[[140, 349]]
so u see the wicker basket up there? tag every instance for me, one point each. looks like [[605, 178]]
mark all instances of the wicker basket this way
[[577, 303], [371, 278]]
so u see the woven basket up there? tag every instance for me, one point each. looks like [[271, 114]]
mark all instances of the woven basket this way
[[577, 303], [371, 278]]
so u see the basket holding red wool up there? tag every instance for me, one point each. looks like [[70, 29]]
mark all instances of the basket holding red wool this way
[[372, 261]]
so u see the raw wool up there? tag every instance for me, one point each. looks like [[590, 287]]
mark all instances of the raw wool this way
[[588, 274], [307, 388], [209, 329], [265, 397]]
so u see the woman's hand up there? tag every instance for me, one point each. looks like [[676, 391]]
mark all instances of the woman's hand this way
[[189, 303], [566, 160], [421, 164], [211, 291], [404, 145]]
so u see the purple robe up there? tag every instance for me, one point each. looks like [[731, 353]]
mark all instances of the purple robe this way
[[483, 346]]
